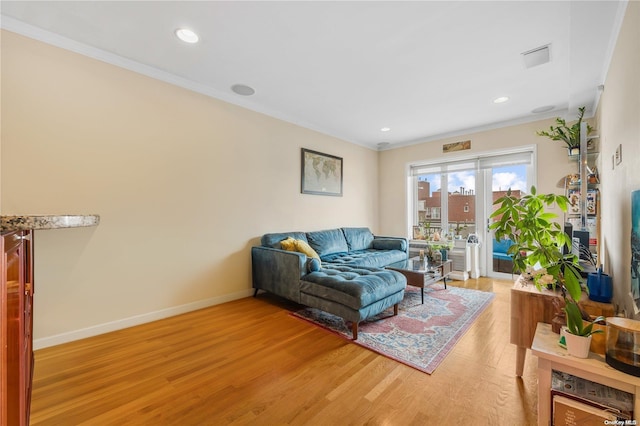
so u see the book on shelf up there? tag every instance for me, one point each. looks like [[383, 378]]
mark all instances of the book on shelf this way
[[592, 226], [592, 393], [569, 412], [619, 414], [592, 202]]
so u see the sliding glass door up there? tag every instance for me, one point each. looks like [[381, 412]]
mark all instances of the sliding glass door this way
[[503, 178], [454, 199]]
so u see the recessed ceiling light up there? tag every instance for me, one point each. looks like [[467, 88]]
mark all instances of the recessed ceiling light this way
[[542, 109], [243, 89], [385, 129], [187, 35], [501, 99]]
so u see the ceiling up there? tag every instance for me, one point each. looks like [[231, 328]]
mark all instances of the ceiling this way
[[425, 70]]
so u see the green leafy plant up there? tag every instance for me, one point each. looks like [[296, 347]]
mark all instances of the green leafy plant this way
[[575, 325], [537, 239], [442, 245], [569, 135]]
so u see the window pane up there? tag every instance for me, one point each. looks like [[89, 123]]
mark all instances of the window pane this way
[[429, 203], [462, 203], [508, 177], [503, 179]]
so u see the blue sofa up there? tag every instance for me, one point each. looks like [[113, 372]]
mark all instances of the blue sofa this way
[[348, 279]]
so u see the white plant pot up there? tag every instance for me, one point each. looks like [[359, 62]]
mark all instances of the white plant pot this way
[[577, 346]]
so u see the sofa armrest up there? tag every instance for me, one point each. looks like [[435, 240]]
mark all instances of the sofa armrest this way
[[390, 243], [278, 271]]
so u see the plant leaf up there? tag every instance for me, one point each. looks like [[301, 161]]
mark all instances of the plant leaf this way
[[574, 318]]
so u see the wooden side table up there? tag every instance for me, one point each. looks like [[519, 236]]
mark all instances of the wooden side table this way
[[529, 306], [552, 357]]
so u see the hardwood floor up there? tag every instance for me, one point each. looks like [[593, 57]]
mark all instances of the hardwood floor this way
[[250, 362]]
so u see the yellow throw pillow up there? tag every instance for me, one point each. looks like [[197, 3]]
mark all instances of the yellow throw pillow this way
[[305, 248], [289, 244]]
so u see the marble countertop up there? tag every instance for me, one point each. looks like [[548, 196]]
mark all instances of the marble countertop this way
[[24, 222]]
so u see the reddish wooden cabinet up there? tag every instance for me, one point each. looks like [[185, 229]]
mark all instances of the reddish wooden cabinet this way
[[16, 326]]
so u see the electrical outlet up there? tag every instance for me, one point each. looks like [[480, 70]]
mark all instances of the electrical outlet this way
[[619, 154]]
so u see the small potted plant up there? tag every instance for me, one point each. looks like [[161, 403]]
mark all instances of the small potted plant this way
[[578, 335], [569, 135]]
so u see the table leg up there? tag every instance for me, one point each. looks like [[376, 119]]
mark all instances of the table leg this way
[[544, 392], [422, 294], [445, 282], [636, 401], [521, 352]]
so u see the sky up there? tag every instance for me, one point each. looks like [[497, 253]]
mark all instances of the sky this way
[[513, 177]]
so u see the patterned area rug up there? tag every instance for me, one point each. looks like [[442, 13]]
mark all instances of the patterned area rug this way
[[420, 335]]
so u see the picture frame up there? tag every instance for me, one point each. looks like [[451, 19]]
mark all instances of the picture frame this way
[[417, 233], [456, 146], [321, 174], [574, 201]]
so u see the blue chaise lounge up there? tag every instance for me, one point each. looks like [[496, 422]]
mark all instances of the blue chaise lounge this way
[[343, 273]]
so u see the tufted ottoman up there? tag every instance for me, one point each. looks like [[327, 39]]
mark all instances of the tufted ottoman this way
[[352, 292]]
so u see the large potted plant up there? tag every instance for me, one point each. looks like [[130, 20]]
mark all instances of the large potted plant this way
[[537, 246], [569, 135]]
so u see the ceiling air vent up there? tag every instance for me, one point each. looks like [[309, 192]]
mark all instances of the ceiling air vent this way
[[537, 56]]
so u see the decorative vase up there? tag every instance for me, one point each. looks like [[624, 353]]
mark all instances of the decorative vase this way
[[598, 341], [577, 346]]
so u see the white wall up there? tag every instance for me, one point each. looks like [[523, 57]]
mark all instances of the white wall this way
[[619, 124], [184, 184]]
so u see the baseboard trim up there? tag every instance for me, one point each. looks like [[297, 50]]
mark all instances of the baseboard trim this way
[[96, 330]]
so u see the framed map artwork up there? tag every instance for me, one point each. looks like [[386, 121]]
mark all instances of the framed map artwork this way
[[321, 173]]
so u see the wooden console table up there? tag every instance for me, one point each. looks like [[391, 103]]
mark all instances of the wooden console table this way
[[552, 357], [529, 306]]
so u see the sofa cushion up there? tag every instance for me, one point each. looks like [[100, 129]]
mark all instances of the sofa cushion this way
[[358, 238], [389, 244], [291, 244], [313, 264], [369, 258], [304, 247], [501, 247], [354, 287], [502, 256], [273, 240], [328, 242]]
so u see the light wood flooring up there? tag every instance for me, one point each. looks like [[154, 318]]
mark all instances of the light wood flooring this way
[[250, 362]]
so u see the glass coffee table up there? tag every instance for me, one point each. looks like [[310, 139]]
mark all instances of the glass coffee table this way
[[421, 273]]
